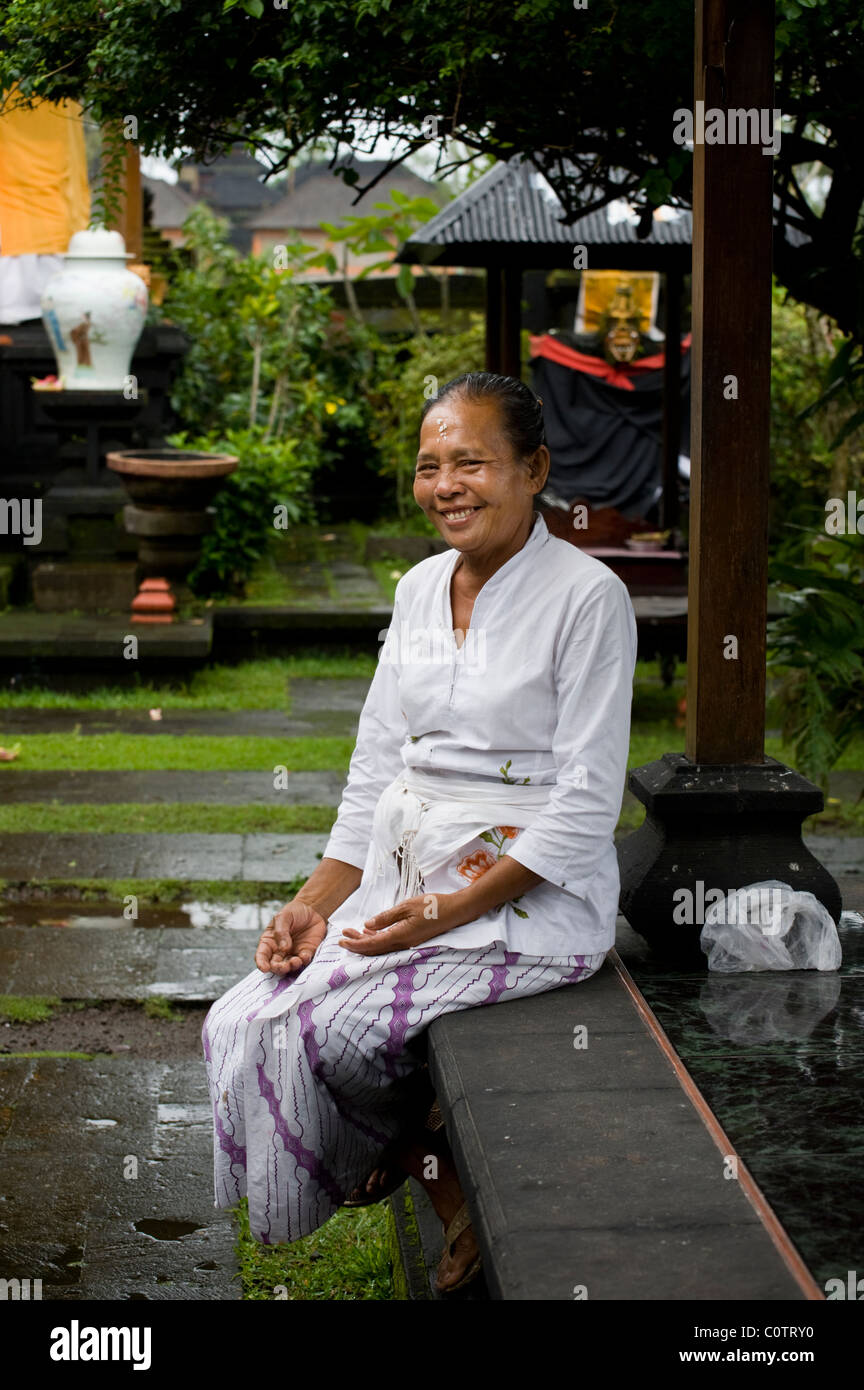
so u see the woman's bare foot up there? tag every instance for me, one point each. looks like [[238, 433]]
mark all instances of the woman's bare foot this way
[[379, 1184], [456, 1260], [441, 1182]]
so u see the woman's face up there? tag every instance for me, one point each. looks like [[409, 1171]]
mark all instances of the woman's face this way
[[468, 481]]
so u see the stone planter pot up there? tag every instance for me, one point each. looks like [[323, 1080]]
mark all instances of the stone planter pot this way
[[171, 491], [94, 310]]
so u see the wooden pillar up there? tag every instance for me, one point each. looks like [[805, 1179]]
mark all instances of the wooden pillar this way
[[740, 824], [671, 397], [731, 358], [511, 321], [493, 318]]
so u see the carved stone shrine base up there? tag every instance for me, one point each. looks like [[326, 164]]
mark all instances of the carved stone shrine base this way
[[724, 826]]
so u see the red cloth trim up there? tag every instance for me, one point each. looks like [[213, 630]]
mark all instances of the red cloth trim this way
[[616, 374]]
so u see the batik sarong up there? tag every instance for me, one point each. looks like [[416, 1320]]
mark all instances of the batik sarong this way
[[310, 1074]]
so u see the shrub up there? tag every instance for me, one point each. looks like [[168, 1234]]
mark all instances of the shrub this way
[[817, 650], [410, 373], [271, 474]]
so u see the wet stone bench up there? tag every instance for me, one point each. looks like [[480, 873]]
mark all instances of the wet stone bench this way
[[588, 1171]]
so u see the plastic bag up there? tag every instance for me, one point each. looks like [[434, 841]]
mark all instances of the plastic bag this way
[[787, 1008], [770, 926]]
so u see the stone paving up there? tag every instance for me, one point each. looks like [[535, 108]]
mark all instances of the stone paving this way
[[178, 963], [215, 788], [221, 858], [107, 1182], [316, 712], [107, 1163]]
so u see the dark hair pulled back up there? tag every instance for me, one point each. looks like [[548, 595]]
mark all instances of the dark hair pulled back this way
[[521, 410]]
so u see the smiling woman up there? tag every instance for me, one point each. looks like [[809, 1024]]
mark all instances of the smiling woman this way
[[512, 766], [482, 459]]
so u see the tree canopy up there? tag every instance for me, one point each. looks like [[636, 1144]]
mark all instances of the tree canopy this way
[[597, 87]]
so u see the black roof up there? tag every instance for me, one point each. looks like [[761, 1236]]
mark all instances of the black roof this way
[[512, 216]]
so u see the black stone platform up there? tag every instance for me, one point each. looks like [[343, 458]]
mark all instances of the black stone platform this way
[[64, 640], [588, 1171]]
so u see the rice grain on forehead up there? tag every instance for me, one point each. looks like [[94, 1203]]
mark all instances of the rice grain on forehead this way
[[520, 409]]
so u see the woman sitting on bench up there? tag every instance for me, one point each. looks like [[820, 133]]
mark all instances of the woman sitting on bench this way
[[472, 860]]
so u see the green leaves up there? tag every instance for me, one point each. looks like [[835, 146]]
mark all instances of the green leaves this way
[[816, 650], [271, 473], [270, 376], [253, 7], [405, 281]]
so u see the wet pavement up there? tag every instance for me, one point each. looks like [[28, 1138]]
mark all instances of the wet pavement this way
[[259, 858], [107, 1182], [185, 963], [62, 913], [316, 712], [219, 858], [146, 788]]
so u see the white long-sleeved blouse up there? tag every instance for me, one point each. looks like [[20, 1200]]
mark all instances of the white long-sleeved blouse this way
[[540, 690]]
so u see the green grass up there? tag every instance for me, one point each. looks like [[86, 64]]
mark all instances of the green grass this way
[[150, 892], [157, 1006], [649, 741], [246, 753], [388, 570], [184, 753], [346, 1259], [33, 1008], [262, 684], [168, 819]]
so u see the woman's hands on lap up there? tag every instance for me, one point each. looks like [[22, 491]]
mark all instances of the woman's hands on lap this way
[[416, 920], [408, 924], [291, 939]]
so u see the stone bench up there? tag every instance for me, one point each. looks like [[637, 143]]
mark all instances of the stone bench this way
[[588, 1169]]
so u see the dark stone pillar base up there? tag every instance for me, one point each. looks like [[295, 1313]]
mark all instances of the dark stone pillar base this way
[[725, 825]]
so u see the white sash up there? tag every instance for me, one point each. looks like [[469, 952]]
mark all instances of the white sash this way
[[425, 818]]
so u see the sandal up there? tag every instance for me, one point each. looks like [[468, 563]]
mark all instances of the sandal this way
[[461, 1221]]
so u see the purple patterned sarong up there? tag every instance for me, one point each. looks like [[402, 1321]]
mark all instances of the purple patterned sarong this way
[[311, 1077]]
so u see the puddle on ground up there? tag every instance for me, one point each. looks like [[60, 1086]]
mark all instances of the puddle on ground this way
[[183, 1114], [101, 1124], [232, 916], [166, 1230], [206, 915]]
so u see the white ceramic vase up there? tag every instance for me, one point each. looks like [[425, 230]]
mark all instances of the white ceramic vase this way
[[94, 310]]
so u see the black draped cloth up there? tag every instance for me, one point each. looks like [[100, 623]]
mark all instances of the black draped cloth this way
[[604, 423]]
